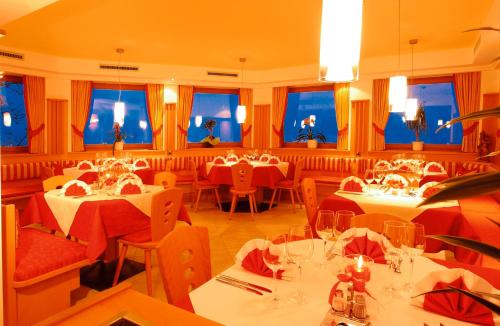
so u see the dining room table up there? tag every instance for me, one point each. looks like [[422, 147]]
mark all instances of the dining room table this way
[[98, 218], [439, 218], [91, 175], [231, 305]]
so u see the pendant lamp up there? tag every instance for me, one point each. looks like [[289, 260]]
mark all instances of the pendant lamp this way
[[241, 110], [119, 107], [411, 103], [398, 85]]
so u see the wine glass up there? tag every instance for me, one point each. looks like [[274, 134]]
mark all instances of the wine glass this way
[[395, 232], [369, 176], [325, 223], [343, 220], [378, 175], [274, 257], [413, 246], [299, 249]]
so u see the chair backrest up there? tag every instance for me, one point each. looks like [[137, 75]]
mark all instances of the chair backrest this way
[[184, 260], [374, 221], [55, 182], [9, 236], [194, 172], [242, 176], [165, 179], [298, 172], [165, 208], [310, 199]]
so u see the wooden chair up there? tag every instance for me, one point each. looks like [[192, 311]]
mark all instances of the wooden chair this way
[[202, 184], [55, 182], [374, 221], [242, 186], [165, 179], [40, 271], [164, 209], [310, 201], [184, 260], [290, 185]]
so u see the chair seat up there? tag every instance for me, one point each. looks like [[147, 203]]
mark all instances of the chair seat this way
[[286, 184], [138, 237], [39, 253], [242, 192]]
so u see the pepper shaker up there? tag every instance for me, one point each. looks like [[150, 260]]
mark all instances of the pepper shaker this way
[[338, 302]]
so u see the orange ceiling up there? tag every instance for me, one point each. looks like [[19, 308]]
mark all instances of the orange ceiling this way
[[270, 33]]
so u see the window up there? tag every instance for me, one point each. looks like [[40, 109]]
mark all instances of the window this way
[[14, 119], [303, 104], [438, 100], [217, 106], [136, 126]]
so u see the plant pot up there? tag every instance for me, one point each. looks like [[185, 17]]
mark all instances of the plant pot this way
[[312, 143], [418, 145], [118, 146]]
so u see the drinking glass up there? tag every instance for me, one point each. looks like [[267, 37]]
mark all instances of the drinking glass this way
[[299, 249], [413, 246], [274, 257], [325, 223], [378, 175], [369, 176], [343, 219], [395, 232]]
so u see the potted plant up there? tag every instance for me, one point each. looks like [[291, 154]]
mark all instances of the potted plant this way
[[210, 140], [417, 126], [119, 137], [306, 134]]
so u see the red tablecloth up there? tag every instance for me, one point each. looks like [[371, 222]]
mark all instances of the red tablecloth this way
[[95, 221], [147, 176], [445, 220], [263, 176]]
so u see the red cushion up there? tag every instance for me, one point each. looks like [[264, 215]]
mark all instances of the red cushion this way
[[40, 252], [139, 236], [285, 183], [21, 187], [183, 178]]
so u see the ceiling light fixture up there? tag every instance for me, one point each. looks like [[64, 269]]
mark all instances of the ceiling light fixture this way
[[119, 107], [398, 85], [7, 119], [340, 43], [411, 103], [241, 110], [2, 33]]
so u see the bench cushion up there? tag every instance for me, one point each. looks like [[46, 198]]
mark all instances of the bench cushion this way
[[39, 253], [19, 188]]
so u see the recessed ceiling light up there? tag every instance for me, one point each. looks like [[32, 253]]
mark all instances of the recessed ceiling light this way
[[2, 33]]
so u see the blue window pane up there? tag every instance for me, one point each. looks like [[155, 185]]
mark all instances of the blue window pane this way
[[218, 107], [12, 105], [439, 105], [302, 105], [136, 126]]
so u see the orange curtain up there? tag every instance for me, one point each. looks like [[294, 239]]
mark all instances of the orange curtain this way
[[342, 110], [34, 98], [155, 99], [261, 138], [184, 107], [380, 112], [246, 98], [170, 128], [360, 115], [81, 93], [280, 98], [468, 94], [57, 121]]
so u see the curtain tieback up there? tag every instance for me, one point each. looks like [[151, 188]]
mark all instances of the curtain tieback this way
[[182, 130], [158, 131], [33, 132], [343, 132], [378, 130], [470, 130], [247, 132], [276, 131], [77, 131]]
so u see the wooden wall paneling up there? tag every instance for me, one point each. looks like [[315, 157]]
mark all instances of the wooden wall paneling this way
[[170, 127], [57, 124], [262, 126], [359, 133]]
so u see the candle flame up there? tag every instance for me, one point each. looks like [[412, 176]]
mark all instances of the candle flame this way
[[360, 262]]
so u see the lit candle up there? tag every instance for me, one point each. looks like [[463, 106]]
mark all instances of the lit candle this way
[[359, 271]]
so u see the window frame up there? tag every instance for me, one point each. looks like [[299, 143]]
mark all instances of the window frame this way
[[302, 89], [429, 147], [216, 90], [123, 87], [17, 149]]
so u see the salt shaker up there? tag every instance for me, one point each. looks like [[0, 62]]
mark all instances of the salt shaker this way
[[359, 307], [338, 301]]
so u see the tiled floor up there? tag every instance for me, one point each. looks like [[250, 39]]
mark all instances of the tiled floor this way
[[226, 237]]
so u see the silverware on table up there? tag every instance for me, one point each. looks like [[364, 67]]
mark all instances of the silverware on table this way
[[258, 287], [249, 289]]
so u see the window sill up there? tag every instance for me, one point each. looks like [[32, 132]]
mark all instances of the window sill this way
[[220, 145], [304, 145]]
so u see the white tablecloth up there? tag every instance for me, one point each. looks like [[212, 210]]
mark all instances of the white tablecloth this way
[[232, 306], [282, 166], [65, 208], [75, 173]]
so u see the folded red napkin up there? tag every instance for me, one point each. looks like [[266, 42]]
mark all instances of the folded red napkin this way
[[403, 168], [85, 166], [457, 305], [429, 192], [264, 159], [140, 164], [364, 246], [219, 160], [75, 190], [253, 262], [273, 161], [434, 168], [353, 186], [130, 189], [243, 161], [110, 181]]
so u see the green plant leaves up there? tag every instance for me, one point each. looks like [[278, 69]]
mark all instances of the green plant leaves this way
[[473, 116], [482, 248]]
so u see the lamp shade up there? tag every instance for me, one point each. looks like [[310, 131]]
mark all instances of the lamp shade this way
[[197, 120], [341, 25], [241, 113], [398, 93], [411, 109], [119, 113], [7, 119]]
